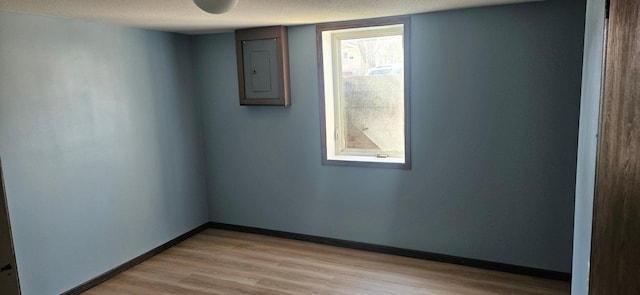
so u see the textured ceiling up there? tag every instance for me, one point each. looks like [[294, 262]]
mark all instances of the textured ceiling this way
[[185, 17]]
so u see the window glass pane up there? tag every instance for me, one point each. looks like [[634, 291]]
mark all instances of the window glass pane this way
[[372, 94]]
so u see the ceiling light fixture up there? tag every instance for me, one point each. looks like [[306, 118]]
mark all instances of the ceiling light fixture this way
[[216, 6]]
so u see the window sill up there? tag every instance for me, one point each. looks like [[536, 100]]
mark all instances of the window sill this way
[[362, 161]]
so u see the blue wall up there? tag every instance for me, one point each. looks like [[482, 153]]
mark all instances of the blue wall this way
[[103, 154], [495, 106], [101, 144], [587, 145]]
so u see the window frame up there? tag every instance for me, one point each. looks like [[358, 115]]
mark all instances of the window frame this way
[[365, 161]]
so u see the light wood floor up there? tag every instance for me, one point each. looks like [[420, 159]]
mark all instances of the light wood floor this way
[[227, 262]]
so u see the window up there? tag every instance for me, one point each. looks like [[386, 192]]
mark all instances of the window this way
[[364, 92]]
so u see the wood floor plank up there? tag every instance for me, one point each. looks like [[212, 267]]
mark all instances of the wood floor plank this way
[[226, 262]]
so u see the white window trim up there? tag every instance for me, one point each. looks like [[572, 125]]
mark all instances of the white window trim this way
[[329, 38]]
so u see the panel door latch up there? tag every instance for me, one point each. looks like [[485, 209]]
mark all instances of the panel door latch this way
[[7, 267]]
